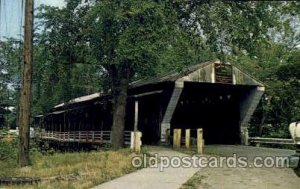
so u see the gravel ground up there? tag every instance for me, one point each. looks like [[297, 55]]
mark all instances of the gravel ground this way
[[242, 178]]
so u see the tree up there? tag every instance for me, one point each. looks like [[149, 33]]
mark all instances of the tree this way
[[130, 40], [127, 38], [10, 58], [258, 36], [120, 41], [227, 27], [64, 63], [127, 35]]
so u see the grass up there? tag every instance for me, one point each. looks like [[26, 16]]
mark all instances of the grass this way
[[71, 170], [193, 182]]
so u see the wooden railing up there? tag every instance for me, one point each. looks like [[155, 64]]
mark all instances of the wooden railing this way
[[83, 136], [259, 140]]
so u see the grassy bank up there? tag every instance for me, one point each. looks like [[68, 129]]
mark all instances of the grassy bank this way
[[193, 182], [70, 170]]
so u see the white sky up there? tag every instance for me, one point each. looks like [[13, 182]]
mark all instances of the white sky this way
[[12, 16], [58, 3]]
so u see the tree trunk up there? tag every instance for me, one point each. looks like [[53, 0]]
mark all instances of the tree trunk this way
[[25, 94], [119, 91]]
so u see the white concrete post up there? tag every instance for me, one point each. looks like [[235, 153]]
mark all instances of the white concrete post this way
[[187, 138], [136, 142], [200, 142], [176, 138]]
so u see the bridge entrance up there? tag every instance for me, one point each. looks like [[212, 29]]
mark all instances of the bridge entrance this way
[[213, 107]]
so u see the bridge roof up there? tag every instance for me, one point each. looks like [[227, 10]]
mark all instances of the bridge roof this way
[[202, 72], [206, 72]]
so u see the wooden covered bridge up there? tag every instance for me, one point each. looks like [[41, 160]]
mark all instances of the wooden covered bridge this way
[[215, 96]]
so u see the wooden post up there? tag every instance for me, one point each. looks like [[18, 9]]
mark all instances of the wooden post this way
[[167, 139], [136, 115], [25, 93], [246, 137], [176, 138], [187, 138], [64, 129], [93, 137], [200, 140], [132, 140], [136, 142]]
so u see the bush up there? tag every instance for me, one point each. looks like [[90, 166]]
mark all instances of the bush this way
[[8, 149]]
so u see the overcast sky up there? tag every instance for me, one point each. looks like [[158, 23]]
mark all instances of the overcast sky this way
[[11, 16]]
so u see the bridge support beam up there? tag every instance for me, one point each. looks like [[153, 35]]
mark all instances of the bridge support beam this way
[[244, 135], [166, 122], [247, 108]]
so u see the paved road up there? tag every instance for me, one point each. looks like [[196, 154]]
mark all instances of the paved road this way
[[248, 151], [212, 178], [249, 177], [153, 178]]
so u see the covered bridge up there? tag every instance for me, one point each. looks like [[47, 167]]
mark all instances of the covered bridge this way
[[215, 96]]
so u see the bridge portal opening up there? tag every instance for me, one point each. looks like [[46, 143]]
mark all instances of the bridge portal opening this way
[[213, 107]]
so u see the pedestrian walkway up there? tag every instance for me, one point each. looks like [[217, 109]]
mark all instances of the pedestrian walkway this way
[[153, 178]]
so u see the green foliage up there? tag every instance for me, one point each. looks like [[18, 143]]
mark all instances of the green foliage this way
[[81, 48], [8, 149], [227, 26], [64, 65], [154, 37], [279, 69], [285, 91], [128, 35], [10, 58]]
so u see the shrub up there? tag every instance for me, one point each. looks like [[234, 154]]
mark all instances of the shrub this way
[[8, 149]]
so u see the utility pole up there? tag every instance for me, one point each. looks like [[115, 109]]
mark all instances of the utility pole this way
[[25, 94]]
